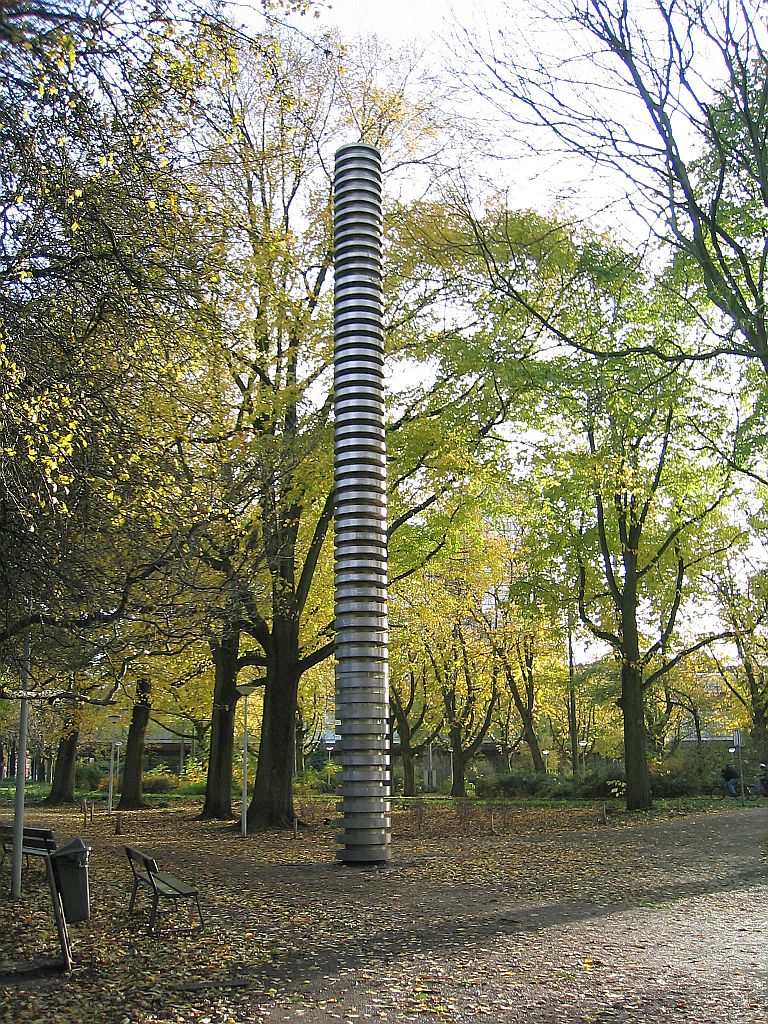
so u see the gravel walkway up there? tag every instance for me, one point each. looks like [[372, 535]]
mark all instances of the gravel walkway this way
[[673, 924]]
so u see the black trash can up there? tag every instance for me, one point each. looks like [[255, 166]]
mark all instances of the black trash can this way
[[70, 871]]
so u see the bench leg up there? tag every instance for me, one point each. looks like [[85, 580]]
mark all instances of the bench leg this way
[[133, 896], [199, 911], [153, 914]]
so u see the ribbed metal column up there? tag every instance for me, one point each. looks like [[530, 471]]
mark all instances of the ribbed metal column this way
[[362, 697]]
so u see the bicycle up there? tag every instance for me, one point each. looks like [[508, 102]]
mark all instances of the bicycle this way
[[720, 791]]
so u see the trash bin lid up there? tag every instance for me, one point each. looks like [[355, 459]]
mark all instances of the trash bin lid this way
[[74, 848]]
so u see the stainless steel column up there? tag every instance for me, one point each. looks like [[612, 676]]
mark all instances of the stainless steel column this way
[[362, 696]]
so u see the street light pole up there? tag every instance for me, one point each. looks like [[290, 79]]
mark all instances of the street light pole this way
[[111, 786], [111, 776], [244, 689], [244, 793], [329, 751], [118, 744], [546, 754]]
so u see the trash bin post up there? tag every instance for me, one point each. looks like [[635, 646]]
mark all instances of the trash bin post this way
[[58, 913]]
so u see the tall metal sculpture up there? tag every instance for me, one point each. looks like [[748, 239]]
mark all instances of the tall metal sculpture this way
[[362, 697]]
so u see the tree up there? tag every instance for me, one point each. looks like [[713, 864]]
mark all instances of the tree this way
[[63, 785], [641, 518], [516, 624], [261, 454], [131, 792], [669, 100], [464, 672], [413, 715], [92, 225], [416, 712], [741, 598]]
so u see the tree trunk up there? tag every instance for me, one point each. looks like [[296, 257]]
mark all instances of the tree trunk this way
[[573, 721], [529, 733], [458, 764], [526, 653], [758, 691], [63, 786], [401, 723], [131, 793], [218, 788], [272, 801], [409, 772], [635, 742]]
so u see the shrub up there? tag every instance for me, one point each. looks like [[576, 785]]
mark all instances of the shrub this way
[[159, 782], [674, 780], [88, 777], [315, 780], [602, 782], [521, 783], [195, 771]]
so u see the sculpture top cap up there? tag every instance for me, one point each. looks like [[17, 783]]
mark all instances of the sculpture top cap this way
[[356, 147]]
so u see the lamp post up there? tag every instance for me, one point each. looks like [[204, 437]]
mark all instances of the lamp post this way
[[583, 745], [329, 750], [244, 689], [21, 777], [113, 746], [737, 750], [545, 754], [118, 744]]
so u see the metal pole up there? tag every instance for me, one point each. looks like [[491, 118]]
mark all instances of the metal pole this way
[[244, 796], [362, 696], [18, 816], [58, 913], [111, 775], [21, 775]]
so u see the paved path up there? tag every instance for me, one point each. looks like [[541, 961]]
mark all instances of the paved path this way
[[676, 927]]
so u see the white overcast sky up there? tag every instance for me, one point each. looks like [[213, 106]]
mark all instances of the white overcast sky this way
[[405, 20], [394, 20]]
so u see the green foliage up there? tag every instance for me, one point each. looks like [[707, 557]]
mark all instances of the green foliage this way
[[315, 780], [160, 780], [88, 777], [195, 771], [674, 780], [522, 784], [690, 771]]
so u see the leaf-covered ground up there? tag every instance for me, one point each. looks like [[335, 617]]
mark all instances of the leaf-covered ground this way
[[542, 915]]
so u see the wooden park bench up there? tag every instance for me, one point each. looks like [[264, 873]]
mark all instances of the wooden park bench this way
[[35, 842], [162, 885]]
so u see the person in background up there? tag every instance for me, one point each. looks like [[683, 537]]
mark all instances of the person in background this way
[[731, 779]]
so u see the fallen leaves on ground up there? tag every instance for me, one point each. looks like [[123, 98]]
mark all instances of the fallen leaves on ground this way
[[496, 920]]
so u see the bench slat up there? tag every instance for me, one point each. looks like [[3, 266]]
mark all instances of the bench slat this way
[[35, 842], [183, 888]]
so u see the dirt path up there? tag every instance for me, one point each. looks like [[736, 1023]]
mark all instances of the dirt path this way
[[543, 925]]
